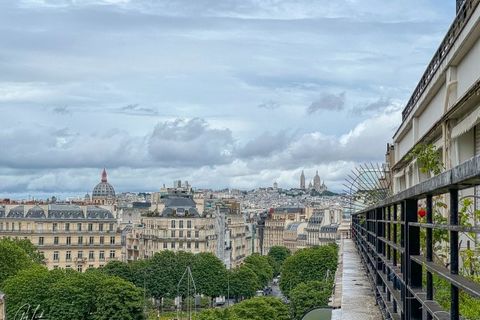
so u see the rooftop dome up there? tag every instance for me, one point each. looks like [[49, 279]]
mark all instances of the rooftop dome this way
[[103, 189]]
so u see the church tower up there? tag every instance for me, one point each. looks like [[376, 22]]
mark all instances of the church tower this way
[[316, 182], [302, 181]]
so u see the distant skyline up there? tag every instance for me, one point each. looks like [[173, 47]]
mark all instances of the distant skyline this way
[[223, 94]]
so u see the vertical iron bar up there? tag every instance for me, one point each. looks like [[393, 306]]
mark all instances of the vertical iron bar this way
[[429, 248], [454, 306]]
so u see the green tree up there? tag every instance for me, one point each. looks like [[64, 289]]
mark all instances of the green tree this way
[[260, 265], [71, 296], [210, 275], [307, 296], [160, 275], [67, 294], [243, 282], [258, 308], [119, 269], [261, 308], [31, 250], [13, 259], [29, 290], [277, 256], [118, 299], [308, 265]]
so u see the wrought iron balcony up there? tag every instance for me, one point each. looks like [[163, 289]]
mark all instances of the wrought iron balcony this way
[[388, 238]]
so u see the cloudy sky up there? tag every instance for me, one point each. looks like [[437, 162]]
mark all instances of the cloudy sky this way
[[222, 93]]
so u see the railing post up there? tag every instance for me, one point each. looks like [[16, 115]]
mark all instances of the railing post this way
[[405, 314], [454, 307], [413, 269], [429, 249]]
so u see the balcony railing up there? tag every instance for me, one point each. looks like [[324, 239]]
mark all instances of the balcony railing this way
[[388, 238], [463, 15]]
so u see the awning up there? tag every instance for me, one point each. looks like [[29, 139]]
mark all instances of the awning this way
[[466, 124]]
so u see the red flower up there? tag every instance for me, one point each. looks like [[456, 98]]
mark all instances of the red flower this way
[[422, 212]]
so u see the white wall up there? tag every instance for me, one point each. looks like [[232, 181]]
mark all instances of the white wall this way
[[432, 113], [468, 70], [405, 144]]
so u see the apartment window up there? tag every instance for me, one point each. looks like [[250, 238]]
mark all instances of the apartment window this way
[[112, 254], [39, 226], [55, 255], [68, 266], [100, 265], [91, 255], [1, 225], [90, 266], [180, 224], [69, 241], [91, 240], [196, 244], [101, 255], [55, 267], [189, 234], [110, 227], [79, 268], [189, 244], [80, 240], [172, 224], [67, 226], [172, 233], [80, 255], [189, 224], [90, 227], [180, 233], [100, 227], [68, 255], [55, 240], [40, 241], [79, 227], [55, 226], [102, 240], [112, 240], [197, 233], [172, 245], [165, 245]]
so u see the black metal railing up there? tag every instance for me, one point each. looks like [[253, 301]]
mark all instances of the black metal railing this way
[[388, 238]]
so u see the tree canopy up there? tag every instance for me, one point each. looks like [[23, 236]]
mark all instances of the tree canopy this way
[[258, 308], [243, 282], [13, 257], [66, 294], [307, 296], [277, 256], [260, 265], [311, 264]]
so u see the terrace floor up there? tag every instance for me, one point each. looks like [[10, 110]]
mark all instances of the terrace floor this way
[[353, 297]]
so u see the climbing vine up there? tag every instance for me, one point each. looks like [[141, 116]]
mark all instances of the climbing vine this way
[[427, 157]]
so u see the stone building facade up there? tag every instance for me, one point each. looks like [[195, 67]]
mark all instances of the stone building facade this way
[[69, 236]]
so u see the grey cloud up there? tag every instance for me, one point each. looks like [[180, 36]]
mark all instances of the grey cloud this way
[[269, 105], [190, 143], [375, 106], [136, 109], [49, 147], [329, 102], [264, 145], [62, 110]]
